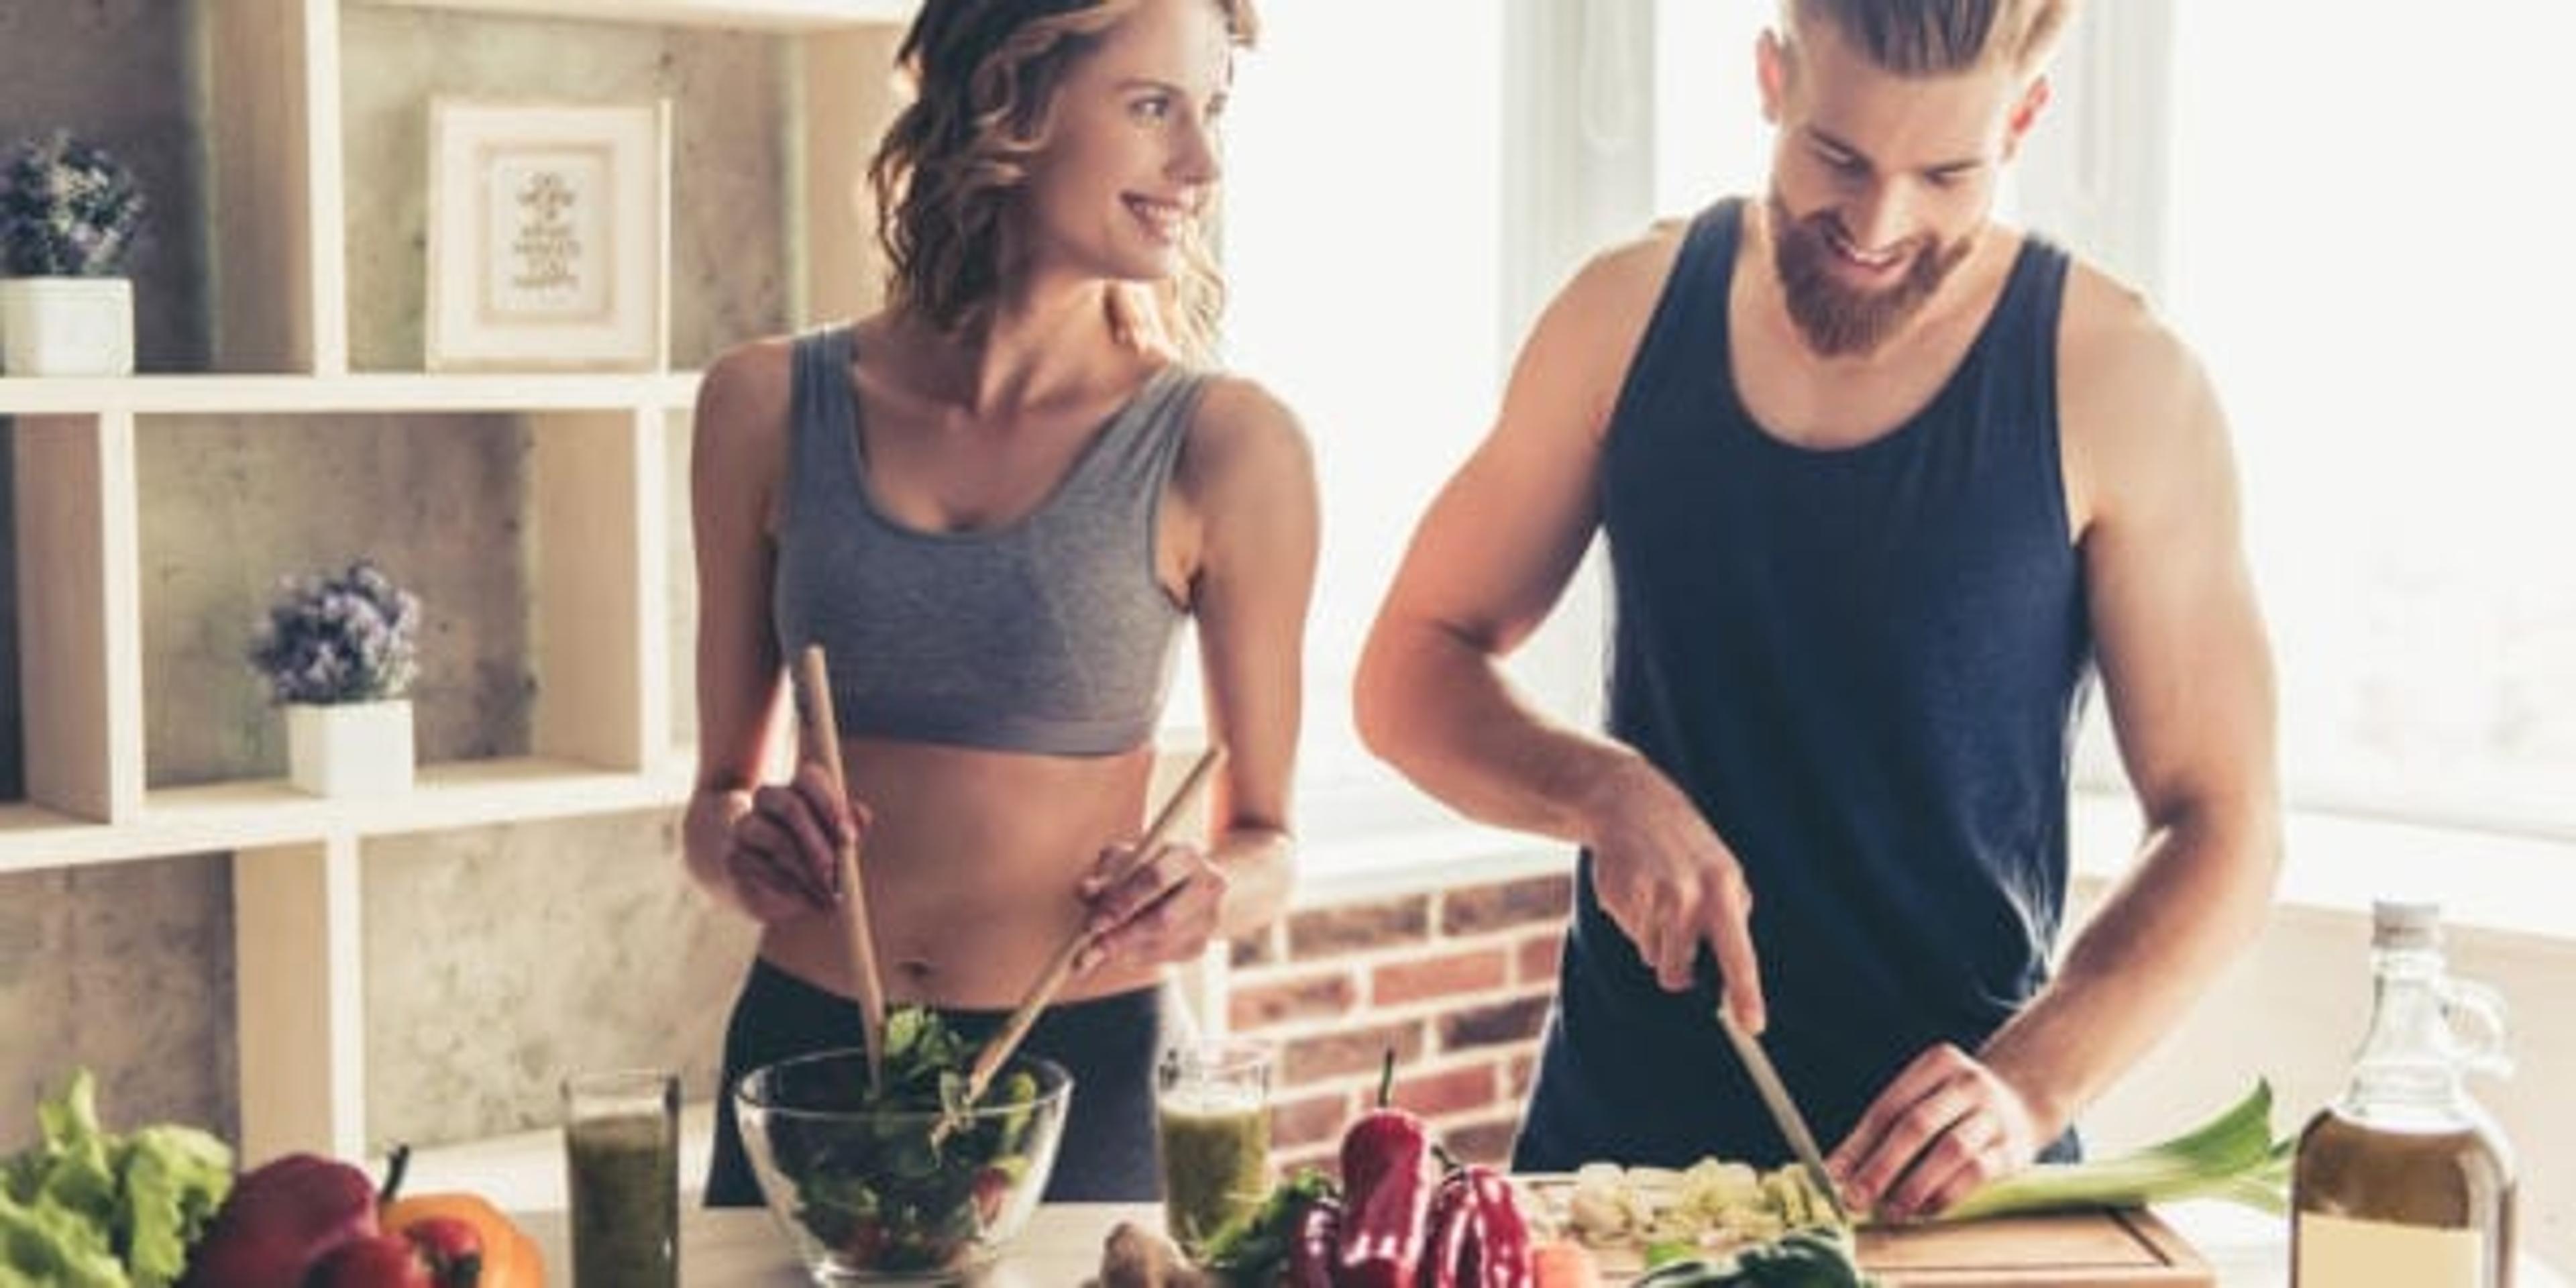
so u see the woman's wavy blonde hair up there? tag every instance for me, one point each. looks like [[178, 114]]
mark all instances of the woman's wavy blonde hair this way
[[984, 77]]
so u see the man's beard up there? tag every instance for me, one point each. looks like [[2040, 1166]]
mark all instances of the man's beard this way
[[1837, 319]]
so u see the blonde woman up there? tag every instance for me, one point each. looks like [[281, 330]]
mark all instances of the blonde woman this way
[[994, 503]]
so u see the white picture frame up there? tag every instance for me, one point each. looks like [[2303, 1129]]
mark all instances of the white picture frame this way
[[549, 236]]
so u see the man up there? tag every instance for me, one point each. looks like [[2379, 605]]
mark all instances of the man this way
[[1883, 483]]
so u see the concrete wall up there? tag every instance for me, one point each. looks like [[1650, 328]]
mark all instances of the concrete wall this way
[[728, 209], [232, 504], [126, 968], [499, 959], [124, 75], [130, 88], [13, 768]]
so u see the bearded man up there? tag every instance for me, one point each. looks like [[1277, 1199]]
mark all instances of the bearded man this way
[[1885, 485]]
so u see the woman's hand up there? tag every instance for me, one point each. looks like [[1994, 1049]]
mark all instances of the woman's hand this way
[[783, 853], [1164, 909]]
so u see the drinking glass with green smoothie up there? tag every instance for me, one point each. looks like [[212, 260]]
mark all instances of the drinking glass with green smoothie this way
[[622, 1175], [1212, 1101]]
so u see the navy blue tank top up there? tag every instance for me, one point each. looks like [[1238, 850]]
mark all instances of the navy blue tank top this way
[[1864, 666]]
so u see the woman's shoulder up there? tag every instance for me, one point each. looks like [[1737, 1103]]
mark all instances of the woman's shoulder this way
[[738, 448], [747, 387], [1241, 435], [1236, 413]]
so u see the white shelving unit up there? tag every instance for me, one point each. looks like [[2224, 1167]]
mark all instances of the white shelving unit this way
[[602, 728], [740, 15], [373, 392]]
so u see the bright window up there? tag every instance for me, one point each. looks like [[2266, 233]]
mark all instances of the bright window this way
[[2372, 257], [1363, 249], [1710, 138]]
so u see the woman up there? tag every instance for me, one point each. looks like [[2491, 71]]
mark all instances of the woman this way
[[993, 503]]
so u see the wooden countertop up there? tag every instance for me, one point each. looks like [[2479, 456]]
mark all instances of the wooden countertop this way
[[740, 1248]]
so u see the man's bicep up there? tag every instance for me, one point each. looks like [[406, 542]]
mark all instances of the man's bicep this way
[[1499, 542], [1505, 534], [2186, 666]]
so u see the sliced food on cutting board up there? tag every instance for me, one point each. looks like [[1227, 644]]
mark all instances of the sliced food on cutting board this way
[[2098, 1248], [2072, 1225]]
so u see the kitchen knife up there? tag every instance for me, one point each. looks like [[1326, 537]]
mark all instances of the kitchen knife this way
[[1784, 1111]]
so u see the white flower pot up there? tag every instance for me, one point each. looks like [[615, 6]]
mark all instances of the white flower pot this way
[[66, 326], [349, 748]]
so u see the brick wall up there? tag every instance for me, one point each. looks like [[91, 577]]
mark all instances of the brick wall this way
[[1456, 981]]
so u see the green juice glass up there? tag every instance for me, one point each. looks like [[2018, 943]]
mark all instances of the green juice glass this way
[[1212, 1109], [622, 1175]]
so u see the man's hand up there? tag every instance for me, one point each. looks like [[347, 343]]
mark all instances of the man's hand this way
[[1162, 910], [1945, 1126], [1670, 883]]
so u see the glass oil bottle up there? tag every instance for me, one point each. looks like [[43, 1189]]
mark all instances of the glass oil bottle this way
[[2404, 1180]]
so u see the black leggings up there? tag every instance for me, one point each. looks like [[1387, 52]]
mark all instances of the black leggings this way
[[1108, 1044]]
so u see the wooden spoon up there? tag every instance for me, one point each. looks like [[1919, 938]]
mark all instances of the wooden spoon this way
[[997, 1052], [821, 735]]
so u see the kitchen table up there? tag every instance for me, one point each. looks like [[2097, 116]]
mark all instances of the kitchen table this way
[[740, 1248]]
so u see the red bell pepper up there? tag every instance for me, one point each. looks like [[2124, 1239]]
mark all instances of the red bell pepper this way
[[1312, 1243], [1450, 1251], [1386, 1183], [1505, 1259]]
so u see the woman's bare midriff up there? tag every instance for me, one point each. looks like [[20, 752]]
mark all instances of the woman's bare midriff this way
[[972, 867]]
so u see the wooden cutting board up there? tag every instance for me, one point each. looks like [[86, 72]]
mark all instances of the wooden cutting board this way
[[2115, 1249], [2108, 1249]]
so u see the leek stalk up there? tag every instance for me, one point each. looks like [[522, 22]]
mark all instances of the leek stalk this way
[[2232, 1156]]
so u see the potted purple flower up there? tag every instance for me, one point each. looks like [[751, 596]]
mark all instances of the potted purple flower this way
[[69, 211], [340, 653]]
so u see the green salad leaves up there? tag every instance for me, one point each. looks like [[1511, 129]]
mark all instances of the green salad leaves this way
[[1809, 1258], [1255, 1246], [81, 1208], [901, 1177]]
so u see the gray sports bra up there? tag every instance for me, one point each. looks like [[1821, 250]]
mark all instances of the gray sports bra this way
[[1051, 635]]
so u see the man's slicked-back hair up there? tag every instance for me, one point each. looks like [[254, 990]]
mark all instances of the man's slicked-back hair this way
[[1939, 37]]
